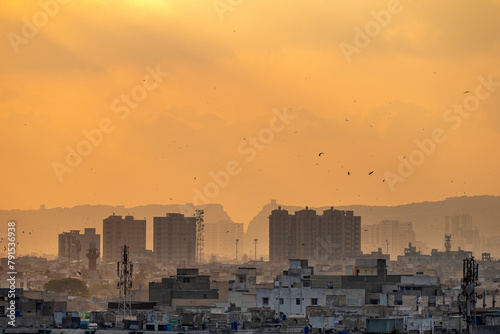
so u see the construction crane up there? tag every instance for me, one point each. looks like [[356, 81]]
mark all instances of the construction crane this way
[[124, 271], [200, 237]]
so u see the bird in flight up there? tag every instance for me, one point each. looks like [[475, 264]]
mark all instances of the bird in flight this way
[[467, 92], [348, 173], [320, 153], [370, 173]]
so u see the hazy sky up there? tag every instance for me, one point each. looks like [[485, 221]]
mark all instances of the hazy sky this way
[[360, 81]]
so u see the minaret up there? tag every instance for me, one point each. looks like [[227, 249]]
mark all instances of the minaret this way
[[92, 255]]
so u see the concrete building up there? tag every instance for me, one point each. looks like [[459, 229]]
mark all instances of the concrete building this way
[[28, 306], [174, 239], [118, 231], [186, 288], [242, 292], [73, 245], [294, 291], [452, 224], [463, 234], [391, 235], [220, 239], [334, 235], [491, 244]]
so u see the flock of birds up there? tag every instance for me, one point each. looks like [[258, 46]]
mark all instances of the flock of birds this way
[[348, 173], [5, 247]]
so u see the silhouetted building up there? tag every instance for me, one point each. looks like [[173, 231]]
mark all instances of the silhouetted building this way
[[73, 245], [118, 231], [392, 235], [331, 236], [463, 234], [220, 237], [186, 286], [174, 239]]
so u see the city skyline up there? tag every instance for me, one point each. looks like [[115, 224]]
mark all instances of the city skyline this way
[[256, 166], [242, 111], [427, 224]]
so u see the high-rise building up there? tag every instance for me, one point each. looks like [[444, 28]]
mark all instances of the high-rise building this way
[[393, 236], [463, 234], [220, 238], [334, 235], [456, 224], [118, 231], [73, 245], [174, 239]]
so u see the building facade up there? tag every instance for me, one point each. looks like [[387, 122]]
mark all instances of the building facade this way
[[393, 236], [464, 235], [174, 239], [118, 231], [188, 287], [73, 245], [220, 239], [334, 235]]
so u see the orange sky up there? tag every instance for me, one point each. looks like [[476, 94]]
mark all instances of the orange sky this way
[[228, 69]]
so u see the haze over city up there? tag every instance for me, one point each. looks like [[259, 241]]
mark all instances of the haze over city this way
[[364, 110], [344, 152]]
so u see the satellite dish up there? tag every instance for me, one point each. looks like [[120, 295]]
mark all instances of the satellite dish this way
[[479, 296], [469, 289]]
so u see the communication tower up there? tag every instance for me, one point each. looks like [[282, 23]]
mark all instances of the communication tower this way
[[124, 271]]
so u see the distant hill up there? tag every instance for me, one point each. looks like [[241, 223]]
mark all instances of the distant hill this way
[[427, 217], [45, 224]]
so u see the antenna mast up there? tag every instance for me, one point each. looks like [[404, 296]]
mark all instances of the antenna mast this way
[[124, 271], [469, 284], [200, 237]]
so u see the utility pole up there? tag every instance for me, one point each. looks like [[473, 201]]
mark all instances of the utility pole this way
[[255, 242], [236, 243]]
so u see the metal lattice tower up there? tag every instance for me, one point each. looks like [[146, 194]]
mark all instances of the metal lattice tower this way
[[469, 295], [124, 271], [200, 237]]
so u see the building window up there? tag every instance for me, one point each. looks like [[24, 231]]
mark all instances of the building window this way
[[282, 301], [265, 301], [297, 301], [314, 301]]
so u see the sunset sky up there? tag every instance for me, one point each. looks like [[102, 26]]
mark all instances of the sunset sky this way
[[224, 70]]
